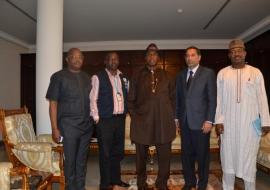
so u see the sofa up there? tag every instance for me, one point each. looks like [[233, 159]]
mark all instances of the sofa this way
[[176, 144], [176, 148]]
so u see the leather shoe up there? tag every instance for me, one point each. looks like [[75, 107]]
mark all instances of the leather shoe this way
[[200, 188], [122, 184], [145, 188], [188, 187], [164, 188], [106, 188]]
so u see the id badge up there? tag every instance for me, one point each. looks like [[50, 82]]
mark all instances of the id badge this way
[[119, 97]]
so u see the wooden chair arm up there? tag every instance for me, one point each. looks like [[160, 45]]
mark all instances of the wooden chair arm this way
[[60, 150], [11, 145]]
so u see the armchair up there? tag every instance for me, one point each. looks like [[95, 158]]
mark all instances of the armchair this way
[[263, 158], [34, 155]]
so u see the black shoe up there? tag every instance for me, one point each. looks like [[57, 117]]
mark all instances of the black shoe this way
[[201, 188], [145, 188], [163, 188], [106, 188], [187, 187], [122, 184]]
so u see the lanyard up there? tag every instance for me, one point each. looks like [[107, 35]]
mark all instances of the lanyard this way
[[116, 84]]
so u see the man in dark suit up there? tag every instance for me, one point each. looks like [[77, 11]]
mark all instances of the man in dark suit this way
[[151, 100], [195, 112]]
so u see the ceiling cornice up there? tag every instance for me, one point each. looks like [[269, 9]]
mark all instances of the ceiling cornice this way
[[12, 39], [142, 44], [256, 29]]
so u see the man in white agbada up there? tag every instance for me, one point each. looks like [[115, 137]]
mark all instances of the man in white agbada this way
[[241, 99]]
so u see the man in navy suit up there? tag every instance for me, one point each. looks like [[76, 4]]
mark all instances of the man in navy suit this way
[[196, 94]]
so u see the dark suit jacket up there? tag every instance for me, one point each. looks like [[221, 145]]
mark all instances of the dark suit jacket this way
[[198, 103], [152, 114]]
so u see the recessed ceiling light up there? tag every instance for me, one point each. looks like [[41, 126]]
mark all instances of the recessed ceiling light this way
[[179, 11]]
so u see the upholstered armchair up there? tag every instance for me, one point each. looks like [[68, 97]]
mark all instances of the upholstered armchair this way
[[26, 150]]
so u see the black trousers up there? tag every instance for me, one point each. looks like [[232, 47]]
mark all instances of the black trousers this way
[[110, 134], [163, 154], [195, 147], [76, 148]]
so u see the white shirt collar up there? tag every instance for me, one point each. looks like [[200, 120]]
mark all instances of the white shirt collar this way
[[194, 69]]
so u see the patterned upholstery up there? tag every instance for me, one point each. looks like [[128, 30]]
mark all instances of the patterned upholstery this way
[[176, 144], [55, 155], [5, 175], [36, 154], [20, 128], [46, 138], [263, 157], [129, 146]]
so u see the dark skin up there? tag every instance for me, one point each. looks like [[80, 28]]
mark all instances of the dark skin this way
[[112, 62], [237, 57], [74, 61], [152, 59]]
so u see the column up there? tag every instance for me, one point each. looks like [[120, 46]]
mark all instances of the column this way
[[49, 51]]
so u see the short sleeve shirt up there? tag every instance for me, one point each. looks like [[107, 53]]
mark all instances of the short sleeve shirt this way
[[71, 92]]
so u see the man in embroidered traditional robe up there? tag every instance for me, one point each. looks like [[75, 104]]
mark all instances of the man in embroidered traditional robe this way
[[150, 101], [241, 102]]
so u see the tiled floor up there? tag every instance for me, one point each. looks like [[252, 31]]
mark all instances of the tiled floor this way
[[92, 179]]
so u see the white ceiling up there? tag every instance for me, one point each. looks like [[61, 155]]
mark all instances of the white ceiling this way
[[122, 20]]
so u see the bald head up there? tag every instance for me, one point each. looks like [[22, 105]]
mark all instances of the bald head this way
[[71, 51]]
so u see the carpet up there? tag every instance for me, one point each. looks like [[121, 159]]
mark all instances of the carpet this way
[[175, 182], [16, 182]]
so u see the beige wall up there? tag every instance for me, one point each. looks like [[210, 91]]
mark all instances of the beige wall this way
[[10, 74]]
